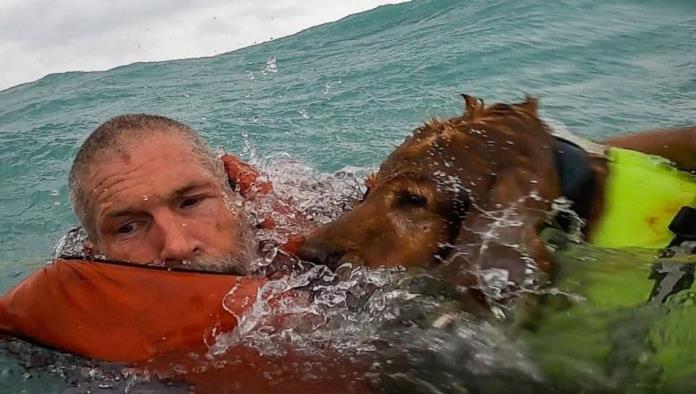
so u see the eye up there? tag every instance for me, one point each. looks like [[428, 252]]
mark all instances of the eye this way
[[411, 199], [127, 229], [190, 202]]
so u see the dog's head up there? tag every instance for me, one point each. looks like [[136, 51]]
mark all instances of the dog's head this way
[[433, 191]]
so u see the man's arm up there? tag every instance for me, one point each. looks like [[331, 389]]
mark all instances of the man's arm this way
[[677, 145]]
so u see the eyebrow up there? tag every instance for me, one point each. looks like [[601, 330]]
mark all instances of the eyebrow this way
[[176, 193], [187, 188], [123, 212]]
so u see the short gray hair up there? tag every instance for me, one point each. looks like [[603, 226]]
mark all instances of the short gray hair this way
[[112, 136]]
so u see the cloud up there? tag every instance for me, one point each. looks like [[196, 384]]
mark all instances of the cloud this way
[[38, 37]]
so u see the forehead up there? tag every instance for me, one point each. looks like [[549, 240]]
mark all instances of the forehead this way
[[153, 163], [145, 149], [419, 154]]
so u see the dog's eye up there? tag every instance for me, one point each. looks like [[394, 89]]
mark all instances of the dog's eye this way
[[410, 199]]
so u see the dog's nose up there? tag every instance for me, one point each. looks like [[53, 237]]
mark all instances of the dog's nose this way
[[320, 253]]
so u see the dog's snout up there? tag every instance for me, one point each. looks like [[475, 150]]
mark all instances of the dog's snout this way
[[321, 253]]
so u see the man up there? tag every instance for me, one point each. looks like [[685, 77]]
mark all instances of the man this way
[[147, 189]]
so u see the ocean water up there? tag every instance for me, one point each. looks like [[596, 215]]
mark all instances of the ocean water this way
[[345, 94]]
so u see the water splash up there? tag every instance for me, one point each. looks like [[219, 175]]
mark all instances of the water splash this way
[[70, 244], [271, 66], [393, 318]]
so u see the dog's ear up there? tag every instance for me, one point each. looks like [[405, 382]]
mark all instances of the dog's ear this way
[[501, 227], [501, 230], [473, 106], [530, 104]]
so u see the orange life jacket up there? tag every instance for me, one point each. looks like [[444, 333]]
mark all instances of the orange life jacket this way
[[244, 178], [121, 312], [157, 319]]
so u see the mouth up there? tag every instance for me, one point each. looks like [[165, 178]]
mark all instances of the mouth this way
[[318, 253], [227, 265], [348, 261]]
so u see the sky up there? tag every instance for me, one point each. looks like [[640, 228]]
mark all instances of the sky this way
[[39, 37]]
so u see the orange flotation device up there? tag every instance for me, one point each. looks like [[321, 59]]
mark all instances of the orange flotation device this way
[[126, 312], [245, 179], [157, 319], [119, 312]]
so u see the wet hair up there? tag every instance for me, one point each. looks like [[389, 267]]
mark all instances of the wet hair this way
[[114, 136]]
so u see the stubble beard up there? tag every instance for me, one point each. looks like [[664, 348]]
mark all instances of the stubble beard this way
[[237, 263]]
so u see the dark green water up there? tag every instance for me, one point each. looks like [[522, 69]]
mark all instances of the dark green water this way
[[345, 93]]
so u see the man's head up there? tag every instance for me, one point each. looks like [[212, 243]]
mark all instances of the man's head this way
[[148, 189]]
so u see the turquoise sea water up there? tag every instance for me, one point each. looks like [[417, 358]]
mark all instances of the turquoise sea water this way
[[345, 93]]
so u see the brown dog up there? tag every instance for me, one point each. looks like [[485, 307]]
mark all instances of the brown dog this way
[[446, 186], [471, 191]]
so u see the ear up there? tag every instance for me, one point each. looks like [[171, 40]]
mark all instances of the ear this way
[[530, 104], [502, 224], [472, 105], [498, 233]]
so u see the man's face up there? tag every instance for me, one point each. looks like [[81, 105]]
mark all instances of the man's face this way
[[154, 201]]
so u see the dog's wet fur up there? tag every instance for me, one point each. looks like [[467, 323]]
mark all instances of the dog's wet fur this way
[[437, 200]]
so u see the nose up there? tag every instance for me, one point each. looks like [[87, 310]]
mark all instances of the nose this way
[[177, 244], [319, 252]]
